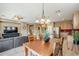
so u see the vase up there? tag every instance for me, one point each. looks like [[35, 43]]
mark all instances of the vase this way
[[47, 40]]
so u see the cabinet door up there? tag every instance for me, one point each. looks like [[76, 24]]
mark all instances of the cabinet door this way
[[76, 20]]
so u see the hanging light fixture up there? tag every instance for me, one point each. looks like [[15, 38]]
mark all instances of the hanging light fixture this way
[[43, 19], [17, 17]]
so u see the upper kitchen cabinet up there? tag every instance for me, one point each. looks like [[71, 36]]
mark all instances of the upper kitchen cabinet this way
[[76, 20]]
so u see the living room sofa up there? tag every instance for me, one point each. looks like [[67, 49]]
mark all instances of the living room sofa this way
[[9, 43]]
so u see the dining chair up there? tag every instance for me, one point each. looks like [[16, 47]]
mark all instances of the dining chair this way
[[31, 37], [58, 48]]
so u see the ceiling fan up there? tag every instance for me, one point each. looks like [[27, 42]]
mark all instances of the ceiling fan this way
[[16, 17]]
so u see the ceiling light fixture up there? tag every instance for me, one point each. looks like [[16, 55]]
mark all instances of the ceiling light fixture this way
[[43, 19], [58, 12], [17, 17]]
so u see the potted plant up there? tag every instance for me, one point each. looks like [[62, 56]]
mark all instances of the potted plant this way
[[47, 36], [76, 37]]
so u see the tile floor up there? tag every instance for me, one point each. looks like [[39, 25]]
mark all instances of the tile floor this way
[[68, 52], [13, 52]]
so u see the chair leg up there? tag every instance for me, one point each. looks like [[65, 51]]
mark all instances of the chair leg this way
[[61, 53], [25, 50], [56, 52]]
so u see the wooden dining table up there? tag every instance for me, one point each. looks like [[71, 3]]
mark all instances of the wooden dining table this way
[[39, 48]]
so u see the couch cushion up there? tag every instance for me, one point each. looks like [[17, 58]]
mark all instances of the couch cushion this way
[[6, 44], [18, 41], [9, 35]]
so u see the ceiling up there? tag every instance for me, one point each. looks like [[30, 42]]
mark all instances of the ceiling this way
[[32, 11]]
